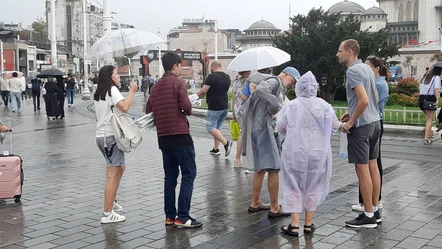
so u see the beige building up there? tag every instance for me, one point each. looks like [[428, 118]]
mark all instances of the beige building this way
[[197, 40], [259, 34]]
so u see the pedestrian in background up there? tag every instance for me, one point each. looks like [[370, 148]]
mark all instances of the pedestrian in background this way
[[107, 94], [50, 96], [216, 87], [70, 89], [61, 96], [4, 88], [36, 90], [238, 86], [16, 86], [429, 90]]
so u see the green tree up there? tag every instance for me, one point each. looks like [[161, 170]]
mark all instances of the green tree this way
[[313, 41], [39, 25]]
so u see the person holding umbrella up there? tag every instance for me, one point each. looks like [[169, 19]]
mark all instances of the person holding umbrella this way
[[50, 97]]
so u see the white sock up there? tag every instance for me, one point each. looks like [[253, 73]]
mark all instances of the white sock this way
[[369, 215], [375, 208], [107, 213]]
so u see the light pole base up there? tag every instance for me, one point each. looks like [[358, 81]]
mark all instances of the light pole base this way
[[86, 95]]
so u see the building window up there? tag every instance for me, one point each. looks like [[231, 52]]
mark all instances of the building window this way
[[413, 70]]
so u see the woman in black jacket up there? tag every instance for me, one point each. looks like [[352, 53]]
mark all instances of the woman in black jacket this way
[[51, 98]]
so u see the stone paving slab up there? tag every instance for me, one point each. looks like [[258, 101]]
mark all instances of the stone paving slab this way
[[65, 175]]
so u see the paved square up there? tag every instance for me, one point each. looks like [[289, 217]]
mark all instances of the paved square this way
[[65, 175]]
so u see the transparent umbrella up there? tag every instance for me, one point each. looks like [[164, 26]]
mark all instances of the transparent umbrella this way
[[259, 58], [122, 42]]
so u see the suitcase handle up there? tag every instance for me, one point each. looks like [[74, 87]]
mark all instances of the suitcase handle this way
[[10, 141]]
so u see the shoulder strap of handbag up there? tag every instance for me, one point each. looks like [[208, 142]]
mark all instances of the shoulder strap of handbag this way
[[432, 81], [107, 122]]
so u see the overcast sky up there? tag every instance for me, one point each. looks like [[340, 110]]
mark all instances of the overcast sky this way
[[152, 15]]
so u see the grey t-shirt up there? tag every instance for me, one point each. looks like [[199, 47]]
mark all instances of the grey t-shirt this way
[[360, 74]]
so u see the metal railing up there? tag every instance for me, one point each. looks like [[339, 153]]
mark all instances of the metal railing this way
[[398, 117], [391, 116]]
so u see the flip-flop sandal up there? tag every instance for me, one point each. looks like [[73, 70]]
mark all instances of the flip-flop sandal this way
[[260, 208], [271, 214], [289, 231]]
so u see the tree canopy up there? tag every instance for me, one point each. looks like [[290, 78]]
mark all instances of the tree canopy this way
[[313, 41], [39, 25]]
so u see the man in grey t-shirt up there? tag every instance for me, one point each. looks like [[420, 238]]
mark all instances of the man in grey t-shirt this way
[[363, 130]]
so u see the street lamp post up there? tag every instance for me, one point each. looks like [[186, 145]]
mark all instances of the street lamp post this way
[[86, 93], [216, 39], [54, 61], [2, 67]]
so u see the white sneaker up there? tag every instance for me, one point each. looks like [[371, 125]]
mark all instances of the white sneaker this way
[[112, 218], [117, 207], [360, 207]]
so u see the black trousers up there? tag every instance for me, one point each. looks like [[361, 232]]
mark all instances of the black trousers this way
[[61, 106], [439, 117], [379, 164], [36, 98]]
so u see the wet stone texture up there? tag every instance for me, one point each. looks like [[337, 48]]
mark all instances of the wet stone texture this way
[[65, 175]]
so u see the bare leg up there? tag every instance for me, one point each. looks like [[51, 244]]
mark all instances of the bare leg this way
[[366, 186], [273, 186], [218, 137], [114, 175], [294, 222], [258, 178], [376, 181], [429, 122], [239, 147], [308, 219]]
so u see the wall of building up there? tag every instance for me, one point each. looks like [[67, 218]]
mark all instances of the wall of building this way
[[256, 43], [429, 20], [374, 25], [419, 63], [201, 41]]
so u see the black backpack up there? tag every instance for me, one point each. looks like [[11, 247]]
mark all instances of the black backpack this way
[[35, 86]]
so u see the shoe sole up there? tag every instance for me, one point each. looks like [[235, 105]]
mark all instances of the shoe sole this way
[[183, 226], [378, 220], [362, 226], [112, 221], [358, 209], [215, 154]]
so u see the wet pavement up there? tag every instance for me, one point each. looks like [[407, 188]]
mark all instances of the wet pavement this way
[[65, 175]]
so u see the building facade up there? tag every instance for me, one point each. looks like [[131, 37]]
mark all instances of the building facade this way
[[415, 25], [259, 34]]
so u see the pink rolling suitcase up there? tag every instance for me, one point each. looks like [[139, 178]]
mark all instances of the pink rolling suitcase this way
[[11, 174]]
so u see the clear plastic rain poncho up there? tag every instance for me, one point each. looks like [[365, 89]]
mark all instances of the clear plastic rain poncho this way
[[307, 123]]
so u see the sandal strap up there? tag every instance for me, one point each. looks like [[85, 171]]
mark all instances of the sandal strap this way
[[290, 227], [310, 226]]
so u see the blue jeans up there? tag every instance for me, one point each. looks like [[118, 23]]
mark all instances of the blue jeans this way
[[215, 119], [175, 159], [70, 93], [16, 102]]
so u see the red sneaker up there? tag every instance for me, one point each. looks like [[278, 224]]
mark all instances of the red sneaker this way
[[170, 221]]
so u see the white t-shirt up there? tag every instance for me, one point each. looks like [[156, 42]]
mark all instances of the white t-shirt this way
[[425, 89], [103, 112]]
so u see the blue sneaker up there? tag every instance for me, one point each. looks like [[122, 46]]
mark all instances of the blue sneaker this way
[[189, 223]]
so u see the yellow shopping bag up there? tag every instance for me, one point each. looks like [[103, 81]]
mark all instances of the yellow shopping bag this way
[[234, 129]]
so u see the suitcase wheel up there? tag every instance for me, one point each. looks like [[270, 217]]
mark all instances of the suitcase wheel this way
[[17, 199]]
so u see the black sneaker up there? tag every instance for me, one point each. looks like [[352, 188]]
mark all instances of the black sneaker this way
[[190, 223], [377, 216], [362, 221], [215, 152], [228, 147]]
